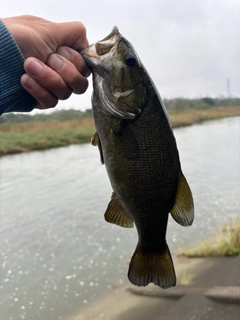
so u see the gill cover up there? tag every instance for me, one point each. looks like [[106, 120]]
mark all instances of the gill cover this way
[[118, 87]]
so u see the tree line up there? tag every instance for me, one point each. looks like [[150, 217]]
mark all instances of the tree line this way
[[181, 104]]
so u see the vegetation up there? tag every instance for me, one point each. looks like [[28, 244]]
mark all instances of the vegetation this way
[[226, 242], [59, 115], [26, 132], [29, 136], [185, 278], [181, 104], [190, 116]]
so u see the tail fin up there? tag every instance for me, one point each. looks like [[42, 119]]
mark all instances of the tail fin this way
[[157, 268]]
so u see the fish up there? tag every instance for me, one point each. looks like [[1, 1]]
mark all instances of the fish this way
[[139, 150]]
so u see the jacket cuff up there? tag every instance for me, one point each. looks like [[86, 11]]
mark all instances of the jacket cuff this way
[[13, 97]]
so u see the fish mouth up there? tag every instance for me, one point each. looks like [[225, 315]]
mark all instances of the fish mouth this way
[[96, 51]]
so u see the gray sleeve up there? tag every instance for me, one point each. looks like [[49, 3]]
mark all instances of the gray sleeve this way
[[13, 97]]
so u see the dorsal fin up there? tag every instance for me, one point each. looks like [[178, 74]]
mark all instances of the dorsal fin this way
[[115, 214], [183, 209]]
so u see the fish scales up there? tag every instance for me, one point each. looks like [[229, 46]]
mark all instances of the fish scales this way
[[138, 148], [136, 181]]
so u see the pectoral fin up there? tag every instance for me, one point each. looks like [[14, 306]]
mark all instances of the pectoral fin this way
[[183, 209], [126, 142], [96, 142], [115, 214]]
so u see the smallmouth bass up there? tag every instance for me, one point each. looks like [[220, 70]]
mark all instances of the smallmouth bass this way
[[138, 148]]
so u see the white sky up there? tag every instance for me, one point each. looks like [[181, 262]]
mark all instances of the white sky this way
[[189, 47]]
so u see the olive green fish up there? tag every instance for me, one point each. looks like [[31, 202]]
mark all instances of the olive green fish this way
[[138, 148]]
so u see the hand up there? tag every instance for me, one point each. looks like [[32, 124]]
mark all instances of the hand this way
[[54, 69]]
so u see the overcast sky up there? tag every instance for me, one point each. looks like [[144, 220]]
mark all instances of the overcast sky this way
[[189, 47]]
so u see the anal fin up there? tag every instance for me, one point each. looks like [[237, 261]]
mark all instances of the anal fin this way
[[115, 214], [183, 209]]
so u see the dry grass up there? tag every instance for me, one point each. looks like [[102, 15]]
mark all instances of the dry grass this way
[[226, 242], [185, 278], [190, 116]]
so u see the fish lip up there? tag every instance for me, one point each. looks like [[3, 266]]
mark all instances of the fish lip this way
[[114, 31], [90, 53]]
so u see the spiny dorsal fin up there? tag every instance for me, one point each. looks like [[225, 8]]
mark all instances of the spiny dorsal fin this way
[[156, 268], [96, 142], [183, 209], [115, 214]]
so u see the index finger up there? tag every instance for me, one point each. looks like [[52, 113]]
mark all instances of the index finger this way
[[74, 56]]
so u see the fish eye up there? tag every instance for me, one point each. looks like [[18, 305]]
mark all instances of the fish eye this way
[[130, 60]]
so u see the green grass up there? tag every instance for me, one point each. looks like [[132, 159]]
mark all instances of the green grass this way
[[226, 242]]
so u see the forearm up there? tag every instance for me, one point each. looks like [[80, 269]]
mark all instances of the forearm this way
[[13, 97]]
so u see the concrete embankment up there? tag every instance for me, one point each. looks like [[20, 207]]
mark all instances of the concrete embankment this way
[[209, 288]]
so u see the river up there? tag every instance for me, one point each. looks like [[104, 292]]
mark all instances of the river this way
[[58, 255]]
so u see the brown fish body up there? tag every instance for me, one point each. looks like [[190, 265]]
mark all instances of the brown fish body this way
[[139, 151], [143, 166]]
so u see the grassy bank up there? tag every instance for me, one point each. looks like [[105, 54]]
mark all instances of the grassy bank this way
[[190, 116], [38, 135], [226, 242], [25, 137]]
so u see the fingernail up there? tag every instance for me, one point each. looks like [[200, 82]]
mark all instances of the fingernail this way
[[55, 62], [65, 53], [35, 68], [28, 82]]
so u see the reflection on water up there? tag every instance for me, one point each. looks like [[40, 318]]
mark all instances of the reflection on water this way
[[58, 254]]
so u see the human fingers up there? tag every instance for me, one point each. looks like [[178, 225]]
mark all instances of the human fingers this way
[[45, 99], [76, 58], [47, 77], [69, 72]]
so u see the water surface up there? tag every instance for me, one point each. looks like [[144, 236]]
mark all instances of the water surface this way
[[58, 255]]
